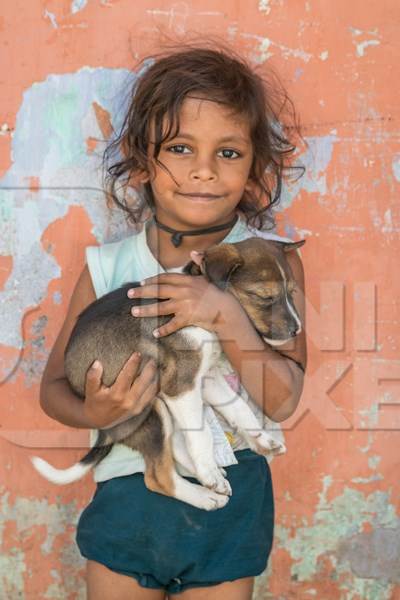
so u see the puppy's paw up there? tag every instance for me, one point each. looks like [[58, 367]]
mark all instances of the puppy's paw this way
[[212, 501], [262, 443], [211, 477], [199, 496]]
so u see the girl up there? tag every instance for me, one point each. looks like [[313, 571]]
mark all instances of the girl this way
[[203, 147]]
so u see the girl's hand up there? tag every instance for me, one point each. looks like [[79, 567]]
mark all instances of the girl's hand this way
[[127, 397], [191, 299]]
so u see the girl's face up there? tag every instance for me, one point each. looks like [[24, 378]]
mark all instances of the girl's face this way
[[211, 155]]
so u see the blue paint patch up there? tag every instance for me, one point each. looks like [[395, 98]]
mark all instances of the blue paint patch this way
[[396, 167], [53, 123], [298, 73], [52, 18], [77, 5], [316, 162], [57, 298]]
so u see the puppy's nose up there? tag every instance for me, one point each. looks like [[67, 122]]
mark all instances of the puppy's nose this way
[[293, 331]]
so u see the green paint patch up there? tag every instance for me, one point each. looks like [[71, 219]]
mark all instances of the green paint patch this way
[[26, 514], [334, 522]]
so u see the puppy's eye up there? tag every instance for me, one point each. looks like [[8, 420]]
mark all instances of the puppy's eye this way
[[261, 298]]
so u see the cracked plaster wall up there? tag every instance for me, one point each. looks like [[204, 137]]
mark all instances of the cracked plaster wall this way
[[336, 490]]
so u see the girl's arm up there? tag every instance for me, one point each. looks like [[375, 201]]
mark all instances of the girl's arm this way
[[273, 381], [56, 397]]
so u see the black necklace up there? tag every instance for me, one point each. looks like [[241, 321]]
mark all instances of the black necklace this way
[[176, 237]]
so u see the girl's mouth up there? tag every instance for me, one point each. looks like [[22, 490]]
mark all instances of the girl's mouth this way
[[201, 197]]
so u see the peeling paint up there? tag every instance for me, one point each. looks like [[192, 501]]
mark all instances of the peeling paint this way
[[26, 515], [370, 415], [264, 6], [77, 5], [376, 477], [373, 461], [264, 53], [4, 129], [373, 555], [316, 161], [24, 220], [57, 298], [52, 18], [335, 525], [396, 167], [361, 46], [263, 50]]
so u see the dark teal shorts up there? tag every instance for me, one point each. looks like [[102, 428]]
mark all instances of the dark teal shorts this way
[[167, 544]]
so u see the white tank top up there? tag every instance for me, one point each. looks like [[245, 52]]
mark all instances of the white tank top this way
[[113, 264]]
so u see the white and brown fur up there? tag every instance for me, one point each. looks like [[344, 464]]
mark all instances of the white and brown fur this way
[[172, 430]]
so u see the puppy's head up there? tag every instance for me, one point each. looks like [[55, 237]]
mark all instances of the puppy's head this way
[[217, 264], [257, 273]]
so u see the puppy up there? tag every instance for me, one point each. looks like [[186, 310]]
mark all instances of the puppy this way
[[256, 272]]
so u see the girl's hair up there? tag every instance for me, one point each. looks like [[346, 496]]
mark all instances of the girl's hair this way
[[224, 77]]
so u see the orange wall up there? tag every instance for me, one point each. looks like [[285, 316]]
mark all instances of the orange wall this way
[[337, 489]]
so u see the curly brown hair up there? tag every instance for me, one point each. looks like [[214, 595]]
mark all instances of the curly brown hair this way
[[221, 75]]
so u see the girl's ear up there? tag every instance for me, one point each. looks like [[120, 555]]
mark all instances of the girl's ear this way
[[145, 177], [138, 178], [250, 185]]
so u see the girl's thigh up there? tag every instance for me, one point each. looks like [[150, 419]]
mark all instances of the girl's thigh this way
[[240, 589], [104, 584]]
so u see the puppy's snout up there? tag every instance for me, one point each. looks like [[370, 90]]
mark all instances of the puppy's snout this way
[[293, 331]]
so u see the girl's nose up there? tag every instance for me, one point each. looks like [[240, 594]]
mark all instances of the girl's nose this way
[[204, 171]]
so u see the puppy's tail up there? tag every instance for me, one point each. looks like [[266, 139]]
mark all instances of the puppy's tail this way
[[79, 469]]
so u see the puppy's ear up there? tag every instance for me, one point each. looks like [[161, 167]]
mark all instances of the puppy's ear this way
[[191, 269], [195, 266], [288, 246], [220, 266]]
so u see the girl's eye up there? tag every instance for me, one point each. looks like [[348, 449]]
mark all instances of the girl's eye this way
[[229, 150], [177, 149]]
